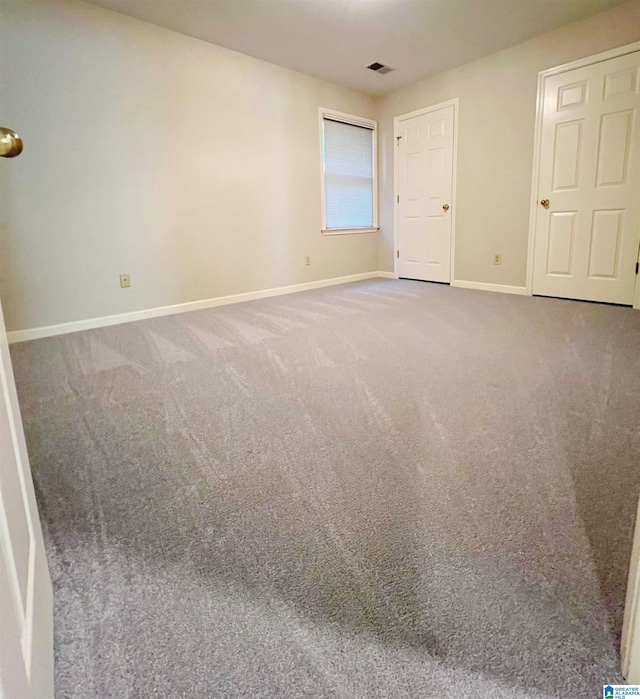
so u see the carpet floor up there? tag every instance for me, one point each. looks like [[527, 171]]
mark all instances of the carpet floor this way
[[385, 489]]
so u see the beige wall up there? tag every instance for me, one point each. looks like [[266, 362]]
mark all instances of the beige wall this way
[[193, 168], [495, 141]]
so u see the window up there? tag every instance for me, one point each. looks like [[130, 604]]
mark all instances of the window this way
[[349, 187]]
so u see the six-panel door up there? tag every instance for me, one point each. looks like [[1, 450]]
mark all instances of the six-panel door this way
[[425, 171], [587, 236]]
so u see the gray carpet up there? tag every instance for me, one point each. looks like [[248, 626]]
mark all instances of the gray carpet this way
[[384, 489]]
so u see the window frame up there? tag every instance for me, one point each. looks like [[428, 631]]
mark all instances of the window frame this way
[[354, 121]]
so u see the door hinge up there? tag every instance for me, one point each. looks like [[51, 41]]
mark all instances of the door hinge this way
[[398, 253], [398, 140], [637, 267], [397, 199]]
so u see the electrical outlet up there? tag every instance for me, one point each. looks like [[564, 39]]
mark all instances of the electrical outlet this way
[[497, 258], [125, 281], [307, 260]]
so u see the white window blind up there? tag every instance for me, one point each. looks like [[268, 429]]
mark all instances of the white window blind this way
[[348, 158]]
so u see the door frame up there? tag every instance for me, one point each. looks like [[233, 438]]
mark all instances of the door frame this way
[[537, 143], [454, 177], [630, 641]]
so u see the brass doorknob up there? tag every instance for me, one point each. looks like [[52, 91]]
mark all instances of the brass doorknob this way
[[445, 207], [10, 143], [545, 203]]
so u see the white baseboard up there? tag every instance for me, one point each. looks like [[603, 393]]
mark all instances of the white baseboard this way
[[91, 323], [484, 286]]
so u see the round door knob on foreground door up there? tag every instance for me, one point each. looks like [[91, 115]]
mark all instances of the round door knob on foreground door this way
[[445, 207], [10, 143], [545, 203]]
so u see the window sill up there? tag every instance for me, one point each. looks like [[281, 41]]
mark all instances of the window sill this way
[[348, 231]]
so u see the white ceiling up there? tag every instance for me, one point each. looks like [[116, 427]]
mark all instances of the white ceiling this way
[[337, 39]]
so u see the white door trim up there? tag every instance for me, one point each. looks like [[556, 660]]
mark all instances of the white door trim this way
[[454, 173], [535, 176], [630, 642]]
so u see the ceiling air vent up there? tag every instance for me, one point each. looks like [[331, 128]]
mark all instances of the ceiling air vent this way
[[380, 68]]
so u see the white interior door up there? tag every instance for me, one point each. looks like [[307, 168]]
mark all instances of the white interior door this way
[[26, 606], [588, 211], [424, 194]]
